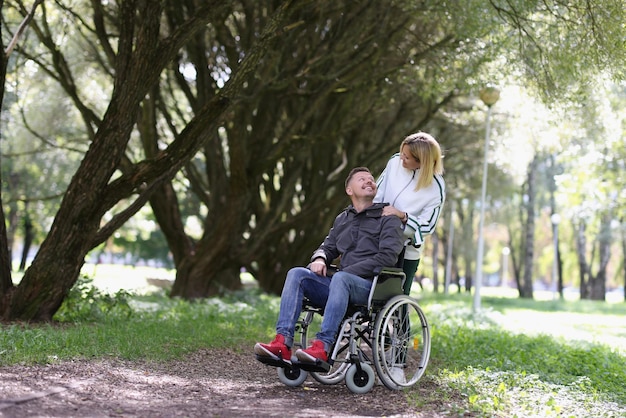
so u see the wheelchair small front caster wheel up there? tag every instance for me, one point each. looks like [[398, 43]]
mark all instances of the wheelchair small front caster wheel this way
[[292, 376], [360, 381]]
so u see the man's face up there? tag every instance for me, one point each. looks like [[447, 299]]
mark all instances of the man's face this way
[[362, 184]]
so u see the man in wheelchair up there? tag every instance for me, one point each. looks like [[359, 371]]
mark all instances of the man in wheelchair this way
[[366, 242]]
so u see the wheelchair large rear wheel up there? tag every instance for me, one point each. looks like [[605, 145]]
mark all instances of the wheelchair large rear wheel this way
[[401, 342]]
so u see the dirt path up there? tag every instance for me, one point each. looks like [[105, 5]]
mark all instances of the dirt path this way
[[205, 384]]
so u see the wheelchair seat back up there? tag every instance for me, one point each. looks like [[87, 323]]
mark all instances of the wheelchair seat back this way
[[387, 284]]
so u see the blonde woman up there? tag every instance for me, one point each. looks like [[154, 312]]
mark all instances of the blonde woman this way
[[412, 183]]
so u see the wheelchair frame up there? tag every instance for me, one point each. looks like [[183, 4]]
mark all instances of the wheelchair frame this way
[[389, 339]]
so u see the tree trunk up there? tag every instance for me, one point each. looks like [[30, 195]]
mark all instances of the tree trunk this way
[[604, 241], [455, 274], [13, 213], [76, 228], [196, 276], [581, 252], [553, 210], [597, 286], [6, 281], [515, 264], [52, 273], [28, 238], [466, 220], [517, 249], [560, 271], [210, 269], [526, 286]]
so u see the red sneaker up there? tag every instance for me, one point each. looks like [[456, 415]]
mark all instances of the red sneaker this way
[[276, 350], [314, 352]]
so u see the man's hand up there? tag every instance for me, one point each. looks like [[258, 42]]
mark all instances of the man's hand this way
[[318, 266]]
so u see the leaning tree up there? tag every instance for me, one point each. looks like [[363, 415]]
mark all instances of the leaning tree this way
[[140, 51]]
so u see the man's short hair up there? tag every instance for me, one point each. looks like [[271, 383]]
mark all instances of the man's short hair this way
[[354, 171]]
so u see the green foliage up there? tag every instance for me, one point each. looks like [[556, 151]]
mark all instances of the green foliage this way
[[86, 303], [144, 245]]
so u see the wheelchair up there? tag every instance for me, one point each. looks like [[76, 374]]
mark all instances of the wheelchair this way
[[389, 339]]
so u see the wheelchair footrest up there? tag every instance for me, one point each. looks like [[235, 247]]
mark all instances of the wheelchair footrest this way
[[319, 366], [274, 362]]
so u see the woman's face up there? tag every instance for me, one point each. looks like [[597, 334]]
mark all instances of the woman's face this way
[[408, 161]]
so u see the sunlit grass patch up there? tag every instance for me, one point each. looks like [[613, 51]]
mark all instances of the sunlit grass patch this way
[[111, 278], [584, 321], [497, 393], [586, 328], [526, 372]]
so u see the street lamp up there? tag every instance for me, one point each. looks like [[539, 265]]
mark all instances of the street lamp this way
[[555, 219], [489, 95]]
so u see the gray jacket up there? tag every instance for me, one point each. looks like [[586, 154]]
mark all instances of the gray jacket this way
[[366, 241]]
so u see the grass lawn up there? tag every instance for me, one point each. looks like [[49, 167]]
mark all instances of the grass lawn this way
[[531, 358], [515, 357]]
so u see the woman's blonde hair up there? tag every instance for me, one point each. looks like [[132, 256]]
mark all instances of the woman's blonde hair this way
[[426, 149]]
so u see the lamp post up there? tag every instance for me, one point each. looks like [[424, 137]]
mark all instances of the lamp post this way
[[489, 95], [555, 218]]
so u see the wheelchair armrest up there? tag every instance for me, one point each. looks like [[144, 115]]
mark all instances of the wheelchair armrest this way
[[331, 270], [391, 271]]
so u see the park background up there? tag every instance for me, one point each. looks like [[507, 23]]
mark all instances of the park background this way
[[211, 139]]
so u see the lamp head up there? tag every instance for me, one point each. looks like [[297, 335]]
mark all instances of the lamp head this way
[[489, 95]]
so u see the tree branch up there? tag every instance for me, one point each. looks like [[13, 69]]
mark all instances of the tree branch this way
[[21, 29]]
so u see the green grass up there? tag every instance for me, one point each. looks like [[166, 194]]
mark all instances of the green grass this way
[[515, 358], [528, 358], [150, 327]]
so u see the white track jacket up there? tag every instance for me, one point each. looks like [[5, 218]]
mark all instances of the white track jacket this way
[[396, 186]]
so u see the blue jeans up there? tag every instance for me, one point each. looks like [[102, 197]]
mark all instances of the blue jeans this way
[[334, 295]]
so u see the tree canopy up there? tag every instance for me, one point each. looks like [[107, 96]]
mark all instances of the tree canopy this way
[[246, 115]]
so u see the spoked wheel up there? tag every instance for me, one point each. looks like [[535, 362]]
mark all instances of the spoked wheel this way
[[401, 343], [360, 378], [291, 376]]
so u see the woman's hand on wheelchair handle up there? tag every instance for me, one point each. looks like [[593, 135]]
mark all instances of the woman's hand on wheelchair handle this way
[[392, 211]]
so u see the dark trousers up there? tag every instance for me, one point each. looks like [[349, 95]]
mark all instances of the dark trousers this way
[[410, 268]]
